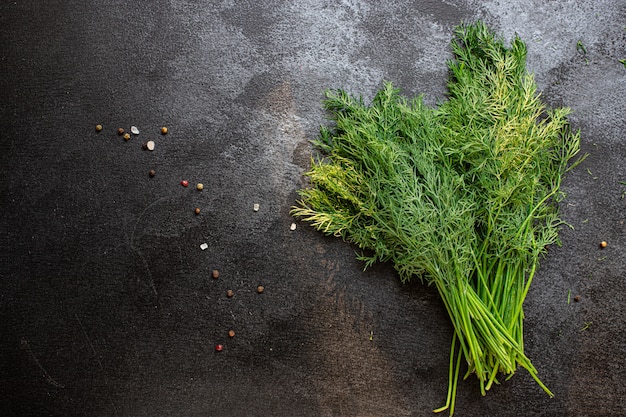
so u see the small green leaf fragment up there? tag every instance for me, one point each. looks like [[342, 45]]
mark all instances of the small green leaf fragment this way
[[591, 173], [623, 62], [587, 325], [580, 47], [569, 296]]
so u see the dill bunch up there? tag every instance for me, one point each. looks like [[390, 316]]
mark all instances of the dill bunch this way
[[463, 196]]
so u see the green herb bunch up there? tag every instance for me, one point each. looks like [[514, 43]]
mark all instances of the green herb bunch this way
[[463, 196]]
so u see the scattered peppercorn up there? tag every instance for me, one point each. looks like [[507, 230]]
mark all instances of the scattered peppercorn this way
[[152, 173], [260, 289], [98, 128], [215, 274], [231, 333], [219, 348], [197, 210], [199, 186], [603, 244], [577, 298], [184, 183], [164, 130], [120, 131], [229, 293], [127, 136]]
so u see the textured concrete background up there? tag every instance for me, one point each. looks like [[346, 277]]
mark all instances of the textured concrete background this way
[[107, 307]]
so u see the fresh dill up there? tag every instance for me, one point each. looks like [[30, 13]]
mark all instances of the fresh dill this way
[[463, 196]]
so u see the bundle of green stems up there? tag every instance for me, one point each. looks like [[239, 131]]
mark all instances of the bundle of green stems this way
[[463, 196]]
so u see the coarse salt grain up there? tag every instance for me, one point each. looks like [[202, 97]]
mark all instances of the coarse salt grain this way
[[134, 130], [204, 246], [150, 145], [256, 207], [293, 226]]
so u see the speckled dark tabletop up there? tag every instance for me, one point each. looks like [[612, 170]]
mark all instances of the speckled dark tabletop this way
[[107, 303]]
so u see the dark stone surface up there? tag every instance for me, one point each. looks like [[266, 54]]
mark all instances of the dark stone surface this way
[[107, 307]]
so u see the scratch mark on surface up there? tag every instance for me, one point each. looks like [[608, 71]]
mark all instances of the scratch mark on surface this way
[[93, 350], [95, 354], [131, 240], [26, 346], [147, 267]]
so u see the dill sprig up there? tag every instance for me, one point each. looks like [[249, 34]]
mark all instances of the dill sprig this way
[[464, 196]]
